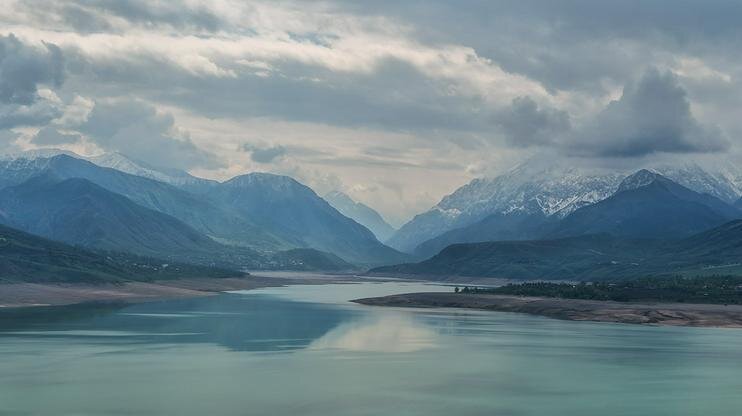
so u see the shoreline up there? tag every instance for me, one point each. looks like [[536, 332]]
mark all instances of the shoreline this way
[[17, 296], [665, 314]]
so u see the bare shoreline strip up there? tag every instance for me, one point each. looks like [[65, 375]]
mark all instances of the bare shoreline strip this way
[[674, 314], [23, 295]]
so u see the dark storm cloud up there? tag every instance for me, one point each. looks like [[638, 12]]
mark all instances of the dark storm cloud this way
[[36, 114], [571, 44], [265, 154], [526, 124], [135, 127], [395, 96], [24, 68], [652, 116]]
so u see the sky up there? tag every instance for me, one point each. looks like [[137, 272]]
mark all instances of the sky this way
[[395, 103]]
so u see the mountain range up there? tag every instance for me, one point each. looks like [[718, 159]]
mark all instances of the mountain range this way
[[592, 257], [521, 203], [648, 205], [246, 219], [79, 212], [258, 220], [295, 213], [649, 225]]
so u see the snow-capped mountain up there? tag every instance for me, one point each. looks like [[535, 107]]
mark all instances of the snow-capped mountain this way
[[528, 188], [553, 189], [722, 179], [37, 154], [361, 213], [120, 162], [648, 205], [128, 165]]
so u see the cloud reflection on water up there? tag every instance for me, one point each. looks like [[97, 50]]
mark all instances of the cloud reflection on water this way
[[388, 332]]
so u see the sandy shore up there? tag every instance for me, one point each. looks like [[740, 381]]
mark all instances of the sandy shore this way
[[677, 314], [17, 295]]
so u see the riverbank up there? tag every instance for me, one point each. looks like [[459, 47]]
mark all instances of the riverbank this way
[[21, 295], [674, 314]]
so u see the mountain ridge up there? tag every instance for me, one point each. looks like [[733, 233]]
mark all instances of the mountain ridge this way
[[592, 257], [254, 223], [648, 205], [361, 213], [79, 212], [28, 258], [543, 187]]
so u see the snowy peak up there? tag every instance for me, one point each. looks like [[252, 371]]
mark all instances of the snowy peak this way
[[638, 180], [547, 189], [131, 166], [38, 154], [556, 188], [116, 161], [721, 180]]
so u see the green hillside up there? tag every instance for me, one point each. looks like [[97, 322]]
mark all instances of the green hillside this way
[[591, 257], [28, 258]]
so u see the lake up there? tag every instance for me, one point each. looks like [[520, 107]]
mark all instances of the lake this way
[[305, 350]]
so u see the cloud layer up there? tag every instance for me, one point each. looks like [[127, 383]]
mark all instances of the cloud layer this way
[[390, 101], [652, 116]]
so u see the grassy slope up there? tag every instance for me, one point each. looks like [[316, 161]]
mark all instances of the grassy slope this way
[[27, 258], [595, 257]]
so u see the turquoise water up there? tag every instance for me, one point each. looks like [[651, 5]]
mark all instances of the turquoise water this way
[[304, 350]]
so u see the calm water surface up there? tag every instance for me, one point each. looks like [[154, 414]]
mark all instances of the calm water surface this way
[[305, 350]]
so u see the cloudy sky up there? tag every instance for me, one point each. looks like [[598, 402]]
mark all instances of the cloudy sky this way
[[395, 103]]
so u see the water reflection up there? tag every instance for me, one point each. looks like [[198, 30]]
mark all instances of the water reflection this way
[[237, 322], [273, 319], [383, 332]]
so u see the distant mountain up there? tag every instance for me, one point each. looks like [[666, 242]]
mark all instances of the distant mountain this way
[[584, 257], [587, 257], [194, 210], [269, 213], [531, 188], [495, 227], [77, 211], [119, 162], [253, 213], [28, 258], [645, 205], [648, 205], [175, 177], [361, 213], [295, 213], [540, 187]]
